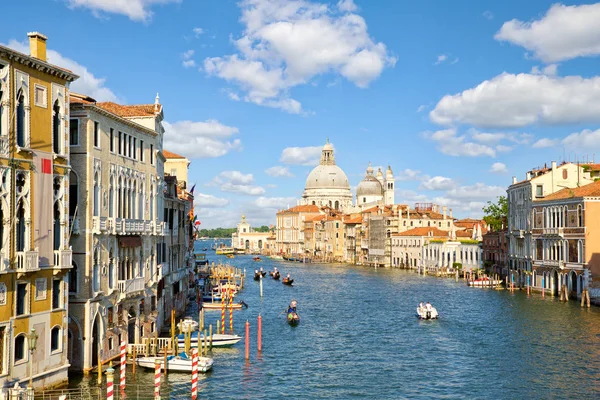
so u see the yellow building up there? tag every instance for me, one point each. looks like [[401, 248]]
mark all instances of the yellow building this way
[[34, 254]]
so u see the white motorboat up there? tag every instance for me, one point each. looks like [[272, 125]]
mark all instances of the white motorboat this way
[[485, 282], [188, 325], [180, 363], [218, 340], [427, 311]]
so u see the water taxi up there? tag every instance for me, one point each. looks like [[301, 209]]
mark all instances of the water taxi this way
[[225, 250]]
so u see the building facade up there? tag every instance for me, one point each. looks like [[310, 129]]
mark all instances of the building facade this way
[[290, 228], [495, 252], [247, 240], [35, 255], [117, 228]]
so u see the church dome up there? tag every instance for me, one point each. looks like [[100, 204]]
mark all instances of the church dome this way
[[327, 176], [369, 186]]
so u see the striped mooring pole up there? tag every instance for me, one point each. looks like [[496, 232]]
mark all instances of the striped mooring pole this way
[[222, 312], [110, 392], [194, 373], [123, 365], [231, 312], [157, 378]]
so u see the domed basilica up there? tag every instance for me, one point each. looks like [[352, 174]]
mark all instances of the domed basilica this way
[[327, 185]]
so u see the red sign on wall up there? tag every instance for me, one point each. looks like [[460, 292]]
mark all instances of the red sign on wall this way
[[46, 166]]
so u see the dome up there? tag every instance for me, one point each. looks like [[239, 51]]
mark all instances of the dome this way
[[327, 176], [369, 186]]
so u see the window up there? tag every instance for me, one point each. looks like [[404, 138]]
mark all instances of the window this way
[[56, 131], [96, 134], [153, 327], [55, 339], [151, 154], [125, 145], [21, 298], [73, 278], [21, 119], [565, 174], [539, 190], [141, 150], [56, 293], [120, 144], [20, 348], [112, 140], [110, 315], [74, 132], [40, 96], [111, 344], [134, 153], [129, 153], [40, 288]]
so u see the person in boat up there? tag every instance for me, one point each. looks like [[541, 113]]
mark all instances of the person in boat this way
[[288, 276], [428, 306], [293, 305]]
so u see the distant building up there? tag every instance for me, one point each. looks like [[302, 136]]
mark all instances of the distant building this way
[[495, 252], [248, 240]]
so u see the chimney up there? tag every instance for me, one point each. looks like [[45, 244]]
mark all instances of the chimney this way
[[514, 180], [37, 45], [553, 164], [157, 104], [528, 176], [444, 211], [450, 214]]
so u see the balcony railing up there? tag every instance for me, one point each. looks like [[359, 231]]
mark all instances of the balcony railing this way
[[63, 258], [554, 232], [28, 261], [130, 286]]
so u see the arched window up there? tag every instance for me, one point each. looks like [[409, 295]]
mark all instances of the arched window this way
[[72, 278], [96, 194], [120, 199], [55, 339], [20, 348], [580, 216], [313, 203], [111, 200], [580, 255], [111, 271], [56, 131], [21, 120], [337, 205], [96, 270], [73, 193], [20, 226]]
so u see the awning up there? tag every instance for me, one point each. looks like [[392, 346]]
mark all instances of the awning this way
[[130, 241]]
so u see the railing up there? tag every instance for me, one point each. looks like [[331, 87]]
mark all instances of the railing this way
[[160, 228], [131, 285], [63, 258], [28, 261], [554, 231]]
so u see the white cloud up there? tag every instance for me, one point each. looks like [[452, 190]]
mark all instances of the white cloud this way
[[478, 191], [188, 63], [451, 144], [488, 14], [584, 140], [410, 196], [491, 138], [206, 139], [545, 142], [301, 155], [550, 70], [136, 10], [438, 183], [565, 32], [275, 203], [440, 59], [237, 182], [87, 83], [511, 101], [503, 149], [409, 175], [422, 107], [279, 171], [202, 200], [286, 43], [498, 168], [198, 31], [187, 59]]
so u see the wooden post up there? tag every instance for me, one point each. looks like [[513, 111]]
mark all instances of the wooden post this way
[[202, 319], [211, 335], [259, 335], [247, 340], [99, 366], [165, 360], [543, 287], [205, 339], [134, 358], [218, 326]]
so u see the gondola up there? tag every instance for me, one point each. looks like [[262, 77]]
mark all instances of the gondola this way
[[293, 318], [276, 275], [256, 258], [257, 276], [263, 273], [287, 281]]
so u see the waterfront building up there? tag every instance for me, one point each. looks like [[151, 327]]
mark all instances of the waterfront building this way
[[353, 232], [117, 229], [246, 239], [407, 246], [521, 196], [290, 228], [34, 247], [495, 252], [566, 237]]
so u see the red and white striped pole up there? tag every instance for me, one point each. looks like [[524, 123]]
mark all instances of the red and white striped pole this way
[[157, 378], [230, 312], [109, 383], [222, 311], [123, 365], [194, 373]]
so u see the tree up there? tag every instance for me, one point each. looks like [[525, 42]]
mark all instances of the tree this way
[[496, 214]]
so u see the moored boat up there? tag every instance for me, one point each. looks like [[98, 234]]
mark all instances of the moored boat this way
[[179, 363], [218, 339], [256, 258], [188, 325], [485, 281], [218, 305]]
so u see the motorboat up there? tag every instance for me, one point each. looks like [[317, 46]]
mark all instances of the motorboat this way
[[217, 305], [188, 325], [427, 311], [485, 282], [179, 363], [218, 339]]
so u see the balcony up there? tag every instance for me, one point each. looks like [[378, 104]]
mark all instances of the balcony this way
[[519, 233], [160, 228], [129, 226], [560, 232], [131, 286], [28, 261], [63, 259]]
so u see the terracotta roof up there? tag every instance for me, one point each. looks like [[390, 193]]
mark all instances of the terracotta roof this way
[[353, 219], [464, 234], [313, 218], [76, 98], [591, 189], [303, 208], [423, 231], [137, 110], [169, 154]]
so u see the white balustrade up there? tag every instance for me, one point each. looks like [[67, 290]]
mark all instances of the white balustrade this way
[[63, 258], [28, 261], [131, 285]]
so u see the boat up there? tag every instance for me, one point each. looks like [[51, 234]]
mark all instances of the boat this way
[[218, 305], [225, 250], [256, 258], [200, 258], [229, 256], [188, 325], [179, 363], [287, 281], [423, 312], [257, 276], [218, 339], [293, 318], [485, 281], [275, 257], [276, 275]]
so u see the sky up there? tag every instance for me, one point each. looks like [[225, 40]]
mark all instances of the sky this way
[[457, 97]]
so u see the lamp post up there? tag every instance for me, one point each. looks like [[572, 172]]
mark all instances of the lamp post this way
[[32, 341]]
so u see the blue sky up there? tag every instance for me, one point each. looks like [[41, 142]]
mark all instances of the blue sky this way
[[456, 96]]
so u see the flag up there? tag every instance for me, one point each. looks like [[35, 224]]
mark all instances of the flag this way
[[192, 189]]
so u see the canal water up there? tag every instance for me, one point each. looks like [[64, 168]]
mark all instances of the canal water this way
[[359, 338]]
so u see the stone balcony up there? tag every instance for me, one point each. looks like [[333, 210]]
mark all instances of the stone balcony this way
[[28, 261], [63, 259], [131, 286], [560, 232]]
